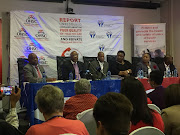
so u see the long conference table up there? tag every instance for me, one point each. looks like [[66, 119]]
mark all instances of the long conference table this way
[[98, 88]]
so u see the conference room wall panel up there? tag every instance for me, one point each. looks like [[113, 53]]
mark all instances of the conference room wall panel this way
[[131, 16]]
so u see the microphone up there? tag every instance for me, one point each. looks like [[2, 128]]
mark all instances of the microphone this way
[[97, 69]]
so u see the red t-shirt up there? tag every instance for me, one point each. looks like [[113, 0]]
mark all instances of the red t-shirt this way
[[77, 104], [58, 126], [157, 122]]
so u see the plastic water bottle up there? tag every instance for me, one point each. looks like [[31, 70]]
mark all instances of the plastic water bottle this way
[[88, 75], [168, 74], [141, 74], [43, 77], [108, 75], [175, 73], [70, 76]]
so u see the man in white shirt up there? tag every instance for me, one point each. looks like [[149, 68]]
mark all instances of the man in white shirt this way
[[99, 67]]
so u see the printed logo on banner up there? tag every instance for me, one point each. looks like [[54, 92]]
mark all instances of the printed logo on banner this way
[[31, 48], [92, 34], [101, 47], [100, 23], [31, 20], [42, 60], [21, 34], [41, 35], [109, 34]]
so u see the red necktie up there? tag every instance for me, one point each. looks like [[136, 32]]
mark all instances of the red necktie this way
[[39, 74]]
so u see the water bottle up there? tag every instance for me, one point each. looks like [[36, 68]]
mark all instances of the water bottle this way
[[70, 76], [108, 75], [175, 73], [43, 77], [88, 75], [168, 74], [141, 74]]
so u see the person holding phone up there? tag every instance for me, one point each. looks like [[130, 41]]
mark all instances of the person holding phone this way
[[11, 123]]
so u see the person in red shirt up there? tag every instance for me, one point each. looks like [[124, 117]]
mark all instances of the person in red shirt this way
[[142, 115], [50, 102], [82, 101]]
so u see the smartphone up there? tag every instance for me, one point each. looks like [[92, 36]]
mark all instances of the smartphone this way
[[6, 90]]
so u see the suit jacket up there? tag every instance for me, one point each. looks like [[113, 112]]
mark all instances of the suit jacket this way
[[30, 74], [163, 68], [142, 66], [95, 70], [67, 67], [171, 120], [157, 97]]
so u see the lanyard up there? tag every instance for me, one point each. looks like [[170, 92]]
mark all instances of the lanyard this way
[[55, 117]]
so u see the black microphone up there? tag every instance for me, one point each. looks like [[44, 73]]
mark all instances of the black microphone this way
[[97, 69]]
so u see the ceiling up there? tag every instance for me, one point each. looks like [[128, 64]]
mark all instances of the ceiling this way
[[146, 4]]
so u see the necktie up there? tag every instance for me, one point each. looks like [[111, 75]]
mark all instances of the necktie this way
[[39, 74], [76, 68]]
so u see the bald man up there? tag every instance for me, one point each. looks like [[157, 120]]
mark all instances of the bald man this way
[[33, 71], [74, 66], [99, 67], [168, 63]]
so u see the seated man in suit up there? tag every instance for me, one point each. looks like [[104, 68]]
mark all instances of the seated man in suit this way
[[99, 67], [33, 72], [74, 66], [168, 63]]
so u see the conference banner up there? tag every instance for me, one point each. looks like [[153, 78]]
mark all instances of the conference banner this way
[[49, 35], [150, 38]]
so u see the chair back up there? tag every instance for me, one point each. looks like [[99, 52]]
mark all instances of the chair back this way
[[154, 107], [111, 59], [60, 62], [148, 130], [87, 118], [87, 60], [21, 63]]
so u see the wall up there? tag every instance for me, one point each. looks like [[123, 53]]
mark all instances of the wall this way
[[170, 14], [131, 16]]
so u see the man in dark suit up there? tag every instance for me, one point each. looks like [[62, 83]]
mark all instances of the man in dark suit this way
[[99, 67], [33, 72], [168, 63], [74, 66]]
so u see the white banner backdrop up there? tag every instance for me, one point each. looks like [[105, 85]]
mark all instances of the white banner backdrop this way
[[50, 35], [150, 38]]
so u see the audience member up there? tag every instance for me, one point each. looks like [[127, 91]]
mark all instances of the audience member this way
[[142, 115], [167, 64], [82, 101], [74, 66], [157, 96], [146, 65], [122, 67], [50, 102], [170, 114], [99, 67], [10, 126], [33, 72], [112, 113]]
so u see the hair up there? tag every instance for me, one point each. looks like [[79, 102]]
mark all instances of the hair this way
[[50, 99], [134, 90], [156, 76], [114, 111], [166, 57], [148, 54], [172, 95], [121, 51], [82, 86]]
